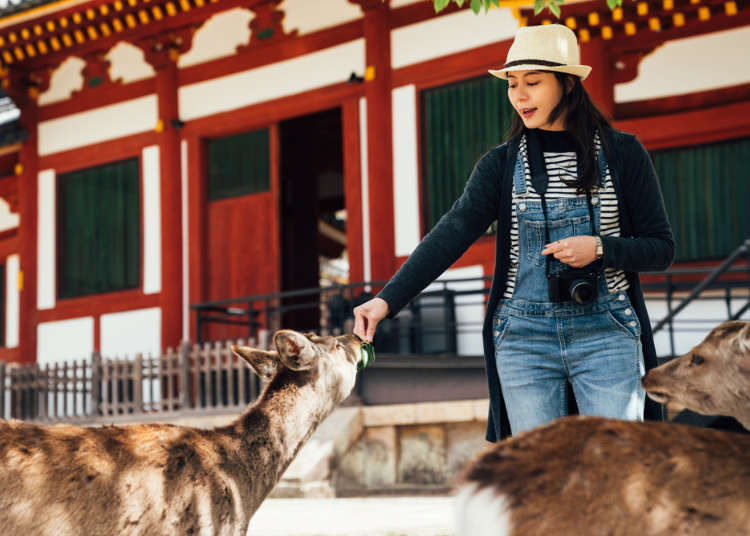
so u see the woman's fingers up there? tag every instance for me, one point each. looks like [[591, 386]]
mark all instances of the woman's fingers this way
[[575, 251], [367, 316]]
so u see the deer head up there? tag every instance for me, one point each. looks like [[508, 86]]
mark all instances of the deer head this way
[[713, 378], [309, 357]]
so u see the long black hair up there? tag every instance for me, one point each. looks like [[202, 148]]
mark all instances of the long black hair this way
[[583, 118]]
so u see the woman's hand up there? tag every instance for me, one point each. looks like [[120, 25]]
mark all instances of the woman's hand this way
[[575, 251], [367, 316]]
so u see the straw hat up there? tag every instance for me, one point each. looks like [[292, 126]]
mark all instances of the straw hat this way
[[552, 47]]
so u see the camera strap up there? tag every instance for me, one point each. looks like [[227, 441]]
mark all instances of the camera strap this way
[[540, 180]]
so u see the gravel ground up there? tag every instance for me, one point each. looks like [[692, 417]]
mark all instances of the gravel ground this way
[[371, 516]]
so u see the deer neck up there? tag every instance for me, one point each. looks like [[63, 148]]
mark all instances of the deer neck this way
[[271, 432]]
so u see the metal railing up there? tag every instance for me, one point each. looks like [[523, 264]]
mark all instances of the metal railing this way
[[730, 280], [439, 320], [206, 378]]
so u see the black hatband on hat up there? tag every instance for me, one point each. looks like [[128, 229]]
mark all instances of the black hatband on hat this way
[[544, 63]]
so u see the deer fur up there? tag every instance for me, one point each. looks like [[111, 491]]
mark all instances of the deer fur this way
[[160, 479], [596, 476]]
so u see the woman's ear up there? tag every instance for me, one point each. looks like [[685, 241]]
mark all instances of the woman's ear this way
[[569, 84]]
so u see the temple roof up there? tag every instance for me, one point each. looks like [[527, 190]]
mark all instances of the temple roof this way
[[10, 7]]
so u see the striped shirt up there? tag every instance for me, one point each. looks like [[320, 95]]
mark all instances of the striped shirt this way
[[563, 165]]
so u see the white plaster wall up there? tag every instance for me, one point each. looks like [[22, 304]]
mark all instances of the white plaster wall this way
[[469, 309], [451, 33], [130, 333], [185, 242], [45, 290], [219, 36], [64, 340], [66, 79], [689, 65], [399, 3], [318, 69], [127, 63], [692, 324], [12, 300], [307, 16], [8, 219], [101, 124], [367, 259], [405, 175], [151, 220]]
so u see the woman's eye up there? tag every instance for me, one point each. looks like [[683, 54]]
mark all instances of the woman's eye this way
[[532, 83]]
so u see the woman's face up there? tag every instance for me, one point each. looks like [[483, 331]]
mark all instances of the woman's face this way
[[534, 94]]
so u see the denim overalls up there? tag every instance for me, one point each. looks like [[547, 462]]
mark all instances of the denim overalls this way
[[540, 344]]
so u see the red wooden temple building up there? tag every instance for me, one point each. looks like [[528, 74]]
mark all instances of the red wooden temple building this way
[[160, 153]]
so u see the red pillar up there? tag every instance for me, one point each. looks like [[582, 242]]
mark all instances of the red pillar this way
[[162, 52], [171, 206], [379, 136], [600, 83], [27, 230]]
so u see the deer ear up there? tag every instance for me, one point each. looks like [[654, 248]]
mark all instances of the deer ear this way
[[296, 351], [264, 364], [743, 339]]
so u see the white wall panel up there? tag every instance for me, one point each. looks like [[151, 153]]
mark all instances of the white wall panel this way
[[151, 220], [12, 300], [672, 68], [127, 63], [46, 258], [66, 79], [457, 32], [185, 243], [405, 175], [65, 340], [318, 69], [219, 36], [101, 124], [306, 16], [131, 332], [8, 219], [366, 257]]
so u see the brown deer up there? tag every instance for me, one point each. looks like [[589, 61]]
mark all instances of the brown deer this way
[[160, 479], [595, 476]]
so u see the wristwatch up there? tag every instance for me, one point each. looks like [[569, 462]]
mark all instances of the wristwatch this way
[[599, 248]]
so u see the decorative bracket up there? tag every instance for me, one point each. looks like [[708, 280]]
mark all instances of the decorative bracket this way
[[625, 66], [165, 49]]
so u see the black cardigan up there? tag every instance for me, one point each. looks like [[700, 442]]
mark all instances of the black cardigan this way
[[645, 244]]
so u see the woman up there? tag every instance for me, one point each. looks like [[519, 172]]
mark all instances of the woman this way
[[579, 215]]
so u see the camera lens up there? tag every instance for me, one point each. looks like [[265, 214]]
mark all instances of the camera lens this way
[[582, 292]]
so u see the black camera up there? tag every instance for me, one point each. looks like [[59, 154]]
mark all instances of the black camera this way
[[577, 284]]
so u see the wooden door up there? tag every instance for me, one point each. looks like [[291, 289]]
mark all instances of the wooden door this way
[[242, 213]]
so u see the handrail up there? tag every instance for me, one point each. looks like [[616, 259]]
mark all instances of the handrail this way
[[743, 249]]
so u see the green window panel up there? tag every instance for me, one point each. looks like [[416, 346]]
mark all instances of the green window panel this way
[[460, 122], [99, 229], [706, 190], [239, 165]]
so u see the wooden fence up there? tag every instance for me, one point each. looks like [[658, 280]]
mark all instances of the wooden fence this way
[[193, 379]]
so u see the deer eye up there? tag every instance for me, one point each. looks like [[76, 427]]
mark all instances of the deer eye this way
[[697, 360]]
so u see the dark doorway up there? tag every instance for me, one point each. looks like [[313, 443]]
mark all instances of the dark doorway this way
[[313, 217]]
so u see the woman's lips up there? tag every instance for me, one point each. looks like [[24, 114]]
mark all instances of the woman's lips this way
[[528, 113]]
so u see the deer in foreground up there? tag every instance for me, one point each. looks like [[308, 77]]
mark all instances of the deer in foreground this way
[[160, 479], [595, 476]]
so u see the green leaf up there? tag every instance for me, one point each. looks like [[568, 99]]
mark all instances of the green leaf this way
[[441, 5], [612, 4], [538, 6], [459, 2], [554, 8], [476, 5]]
